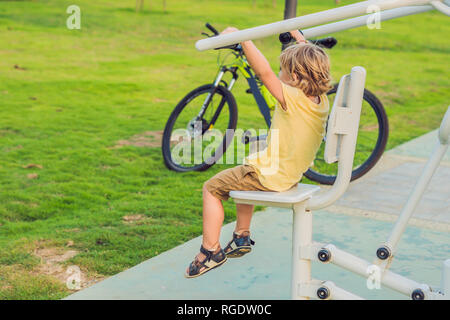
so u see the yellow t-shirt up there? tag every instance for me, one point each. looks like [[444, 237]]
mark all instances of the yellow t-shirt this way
[[294, 138]]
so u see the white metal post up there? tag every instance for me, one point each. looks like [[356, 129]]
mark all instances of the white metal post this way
[[301, 238], [415, 196], [346, 128], [445, 281]]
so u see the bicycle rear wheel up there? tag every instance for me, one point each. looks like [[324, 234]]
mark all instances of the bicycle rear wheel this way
[[372, 138], [189, 143]]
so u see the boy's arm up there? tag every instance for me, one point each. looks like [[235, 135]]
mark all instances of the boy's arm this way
[[262, 68], [298, 36]]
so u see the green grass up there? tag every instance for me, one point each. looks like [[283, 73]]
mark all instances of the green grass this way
[[75, 93]]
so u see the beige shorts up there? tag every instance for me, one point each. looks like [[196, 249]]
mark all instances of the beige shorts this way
[[243, 178]]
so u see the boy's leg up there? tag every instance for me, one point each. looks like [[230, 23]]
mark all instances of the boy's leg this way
[[214, 191], [241, 242], [244, 214], [213, 215]]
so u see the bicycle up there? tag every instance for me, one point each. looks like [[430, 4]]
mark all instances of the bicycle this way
[[372, 137]]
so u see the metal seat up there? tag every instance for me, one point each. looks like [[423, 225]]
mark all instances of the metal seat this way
[[284, 199]]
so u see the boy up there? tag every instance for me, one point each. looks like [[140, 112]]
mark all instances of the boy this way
[[299, 119]]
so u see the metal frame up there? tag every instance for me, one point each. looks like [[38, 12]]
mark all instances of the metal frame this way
[[342, 133], [356, 15], [330, 254], [340, 145]]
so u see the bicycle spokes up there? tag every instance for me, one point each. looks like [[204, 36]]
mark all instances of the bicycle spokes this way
[[194, 139], [368, 136]]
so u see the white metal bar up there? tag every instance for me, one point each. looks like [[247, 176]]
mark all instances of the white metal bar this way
[[445, 281], [347, 143], [415, 196], [337, 293], [362, 21], [360, 266], [438, 5], [301, 237], [314, 19]]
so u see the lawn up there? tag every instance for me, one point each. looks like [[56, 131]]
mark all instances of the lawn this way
[[74, 187]]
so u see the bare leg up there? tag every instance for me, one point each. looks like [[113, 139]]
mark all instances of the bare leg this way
[[213, 215], [244, 214]]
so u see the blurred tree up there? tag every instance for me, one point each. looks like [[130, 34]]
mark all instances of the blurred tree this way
[[290, 9], [139, 5]]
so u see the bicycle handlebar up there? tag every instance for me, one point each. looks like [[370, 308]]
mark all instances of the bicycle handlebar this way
[[329, 42], [284, 38], [235, 46], [210, 27]]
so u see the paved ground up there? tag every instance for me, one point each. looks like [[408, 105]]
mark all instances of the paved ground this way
[[358, 223], [382, 193]]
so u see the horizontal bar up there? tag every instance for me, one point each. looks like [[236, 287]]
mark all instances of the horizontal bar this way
[[360, 266], [337, 293], [314, 19], [362, 21]]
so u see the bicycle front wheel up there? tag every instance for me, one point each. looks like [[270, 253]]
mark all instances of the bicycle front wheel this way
[[372, 138], [196, 135]]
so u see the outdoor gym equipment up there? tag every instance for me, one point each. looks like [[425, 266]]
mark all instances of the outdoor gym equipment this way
[[340, 145], [211, 109], [341, 138], [357, 14]]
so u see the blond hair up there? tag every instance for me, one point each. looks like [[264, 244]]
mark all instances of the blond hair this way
[[308, 67]]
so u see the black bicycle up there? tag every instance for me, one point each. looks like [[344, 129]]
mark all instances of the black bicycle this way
[[190, 144]]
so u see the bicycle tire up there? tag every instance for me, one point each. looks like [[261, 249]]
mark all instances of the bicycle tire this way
[[383, 134], [233, 114]]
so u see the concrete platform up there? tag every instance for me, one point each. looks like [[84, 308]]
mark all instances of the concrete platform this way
[[383, 192], [358, 223], [265, 272]]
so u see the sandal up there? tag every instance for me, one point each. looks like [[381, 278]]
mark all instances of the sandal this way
[[211, 261], [239, 246]]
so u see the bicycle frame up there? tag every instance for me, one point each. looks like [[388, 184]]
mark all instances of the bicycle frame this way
[[263, 97]]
